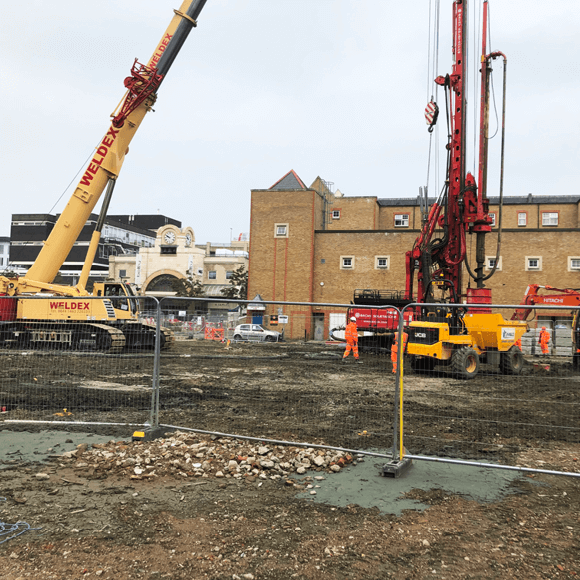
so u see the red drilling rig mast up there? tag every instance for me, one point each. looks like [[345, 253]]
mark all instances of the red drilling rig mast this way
[[438, 255], [460, 338]]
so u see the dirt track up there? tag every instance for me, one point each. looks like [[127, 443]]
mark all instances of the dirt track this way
[[228, 527]]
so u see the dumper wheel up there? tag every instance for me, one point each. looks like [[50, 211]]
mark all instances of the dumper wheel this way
[[422, 364], [465, 363], [512, 361]]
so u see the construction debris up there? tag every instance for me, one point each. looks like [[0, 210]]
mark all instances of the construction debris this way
[[193, 455]]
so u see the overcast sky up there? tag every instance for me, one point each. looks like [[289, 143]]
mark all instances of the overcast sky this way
[[334, 88]]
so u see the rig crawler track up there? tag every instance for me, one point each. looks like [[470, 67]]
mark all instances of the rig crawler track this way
[[88, 336]]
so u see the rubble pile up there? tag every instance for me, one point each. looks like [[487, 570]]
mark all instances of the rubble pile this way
[[190, 455]]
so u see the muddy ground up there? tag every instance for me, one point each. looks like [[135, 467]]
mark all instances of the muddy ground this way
[[111, 522]]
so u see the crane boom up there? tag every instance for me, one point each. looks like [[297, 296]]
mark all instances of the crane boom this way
[[106, 164]]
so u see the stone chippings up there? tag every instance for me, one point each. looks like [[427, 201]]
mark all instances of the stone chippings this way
[[190, 455]]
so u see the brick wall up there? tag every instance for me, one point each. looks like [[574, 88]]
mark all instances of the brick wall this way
[[568, 216], [339, 284], [281, 267], [387, 215], [306, 266], [356, 213]]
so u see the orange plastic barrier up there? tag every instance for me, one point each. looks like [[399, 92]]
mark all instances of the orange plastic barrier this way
[[213, 333]]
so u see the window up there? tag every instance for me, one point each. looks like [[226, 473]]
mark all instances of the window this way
[[381, 262], [492, 216], [280, 230], [533, 263], [347, 262], [522, 218], [335, 214], [401, 220], [229, 275], [212, 275], [122, 273], [1, 261], [573, 263], [549, 218], [490, 263]]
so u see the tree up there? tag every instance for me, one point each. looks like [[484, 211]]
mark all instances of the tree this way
[[238, 284], [190, 287]]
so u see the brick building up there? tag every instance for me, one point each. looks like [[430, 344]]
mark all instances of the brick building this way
[[309, 244]]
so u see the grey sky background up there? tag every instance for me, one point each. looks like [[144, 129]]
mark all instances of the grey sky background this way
[[334, 88]]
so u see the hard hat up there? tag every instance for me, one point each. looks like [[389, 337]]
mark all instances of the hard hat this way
[[543, 327], [353, 318]]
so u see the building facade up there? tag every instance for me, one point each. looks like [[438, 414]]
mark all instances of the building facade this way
[[309, 244], [175, 255], [122, 235], [4, 253]]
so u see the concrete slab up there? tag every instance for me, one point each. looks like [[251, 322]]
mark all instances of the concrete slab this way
[[362, 484], [24, 447]]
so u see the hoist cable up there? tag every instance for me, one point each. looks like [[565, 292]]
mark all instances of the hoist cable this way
[[476, 26], [429, 76], [435, 69], [65, 189], [432, 64]]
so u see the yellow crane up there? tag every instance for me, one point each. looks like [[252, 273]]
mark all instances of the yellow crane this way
[[39, 312]]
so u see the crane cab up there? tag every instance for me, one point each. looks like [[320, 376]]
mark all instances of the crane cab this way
[[120, 298]]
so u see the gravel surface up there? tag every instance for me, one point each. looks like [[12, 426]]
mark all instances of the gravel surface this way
[[192, 505]]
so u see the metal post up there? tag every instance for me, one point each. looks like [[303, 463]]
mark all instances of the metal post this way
[[156, 359], [398, 464]]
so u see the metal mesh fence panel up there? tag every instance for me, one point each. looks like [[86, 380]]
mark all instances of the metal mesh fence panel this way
[[278, 374], [487, 389], [68, 367]]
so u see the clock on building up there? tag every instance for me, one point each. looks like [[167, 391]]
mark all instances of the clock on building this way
[[169, 237], [188, 239]]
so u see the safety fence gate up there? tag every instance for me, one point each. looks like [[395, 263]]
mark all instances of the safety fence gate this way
[[275, 372], [507, 395]]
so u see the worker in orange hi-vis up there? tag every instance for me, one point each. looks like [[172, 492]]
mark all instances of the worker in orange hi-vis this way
[[519, 343], [351, 336], [395, 348], [544, 340]]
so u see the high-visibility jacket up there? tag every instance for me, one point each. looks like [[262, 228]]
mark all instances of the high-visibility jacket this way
[[544, 338], [396, 341], [351, 333], [395, 345]]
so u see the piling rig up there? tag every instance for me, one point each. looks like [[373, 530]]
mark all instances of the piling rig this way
[[461, 337]]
